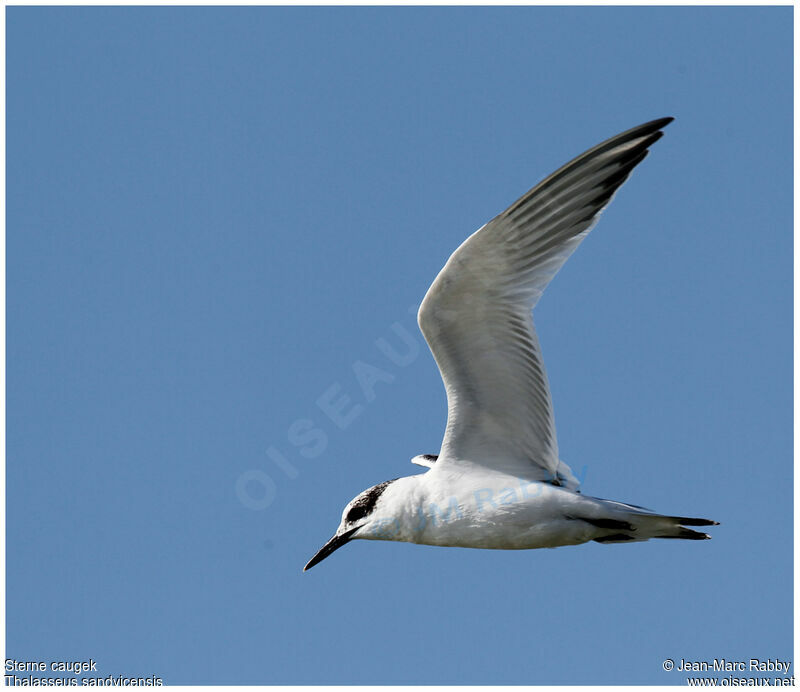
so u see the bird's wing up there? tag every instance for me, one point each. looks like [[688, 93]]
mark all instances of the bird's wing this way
[[426, 460], [476, 316]]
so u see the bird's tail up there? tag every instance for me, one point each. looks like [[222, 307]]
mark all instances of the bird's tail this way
[[638, 524]]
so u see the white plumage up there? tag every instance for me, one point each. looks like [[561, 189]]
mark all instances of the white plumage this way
[[498, 481]]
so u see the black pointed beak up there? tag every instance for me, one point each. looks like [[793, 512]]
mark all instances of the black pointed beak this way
[[334, 544]]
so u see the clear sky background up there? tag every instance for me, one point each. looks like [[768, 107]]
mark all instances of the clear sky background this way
[[215, 214]]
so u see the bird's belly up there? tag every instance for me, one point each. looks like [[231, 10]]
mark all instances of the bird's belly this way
[[549, 534], [511, 517]]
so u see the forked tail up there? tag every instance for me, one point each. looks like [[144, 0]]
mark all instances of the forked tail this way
[[639, 524]]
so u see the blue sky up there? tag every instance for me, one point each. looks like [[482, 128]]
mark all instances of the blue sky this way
[[215, 215]]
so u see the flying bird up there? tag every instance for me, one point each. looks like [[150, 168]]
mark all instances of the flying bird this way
[[497, 481]]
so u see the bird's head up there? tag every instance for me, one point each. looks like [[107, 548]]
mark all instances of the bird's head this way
[[358, 521]]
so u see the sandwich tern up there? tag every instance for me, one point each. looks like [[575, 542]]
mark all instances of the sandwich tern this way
[[497, 481]]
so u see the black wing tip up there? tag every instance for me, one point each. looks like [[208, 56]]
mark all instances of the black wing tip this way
[[652, 125], [651, 130], [658, 123], [695, 521], [648, 133]]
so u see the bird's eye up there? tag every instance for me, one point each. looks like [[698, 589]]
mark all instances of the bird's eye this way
[[357, 511]]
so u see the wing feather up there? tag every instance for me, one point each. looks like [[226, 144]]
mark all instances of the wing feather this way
[[476, 316]]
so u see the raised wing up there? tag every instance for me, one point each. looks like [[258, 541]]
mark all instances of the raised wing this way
[[476, 316]]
